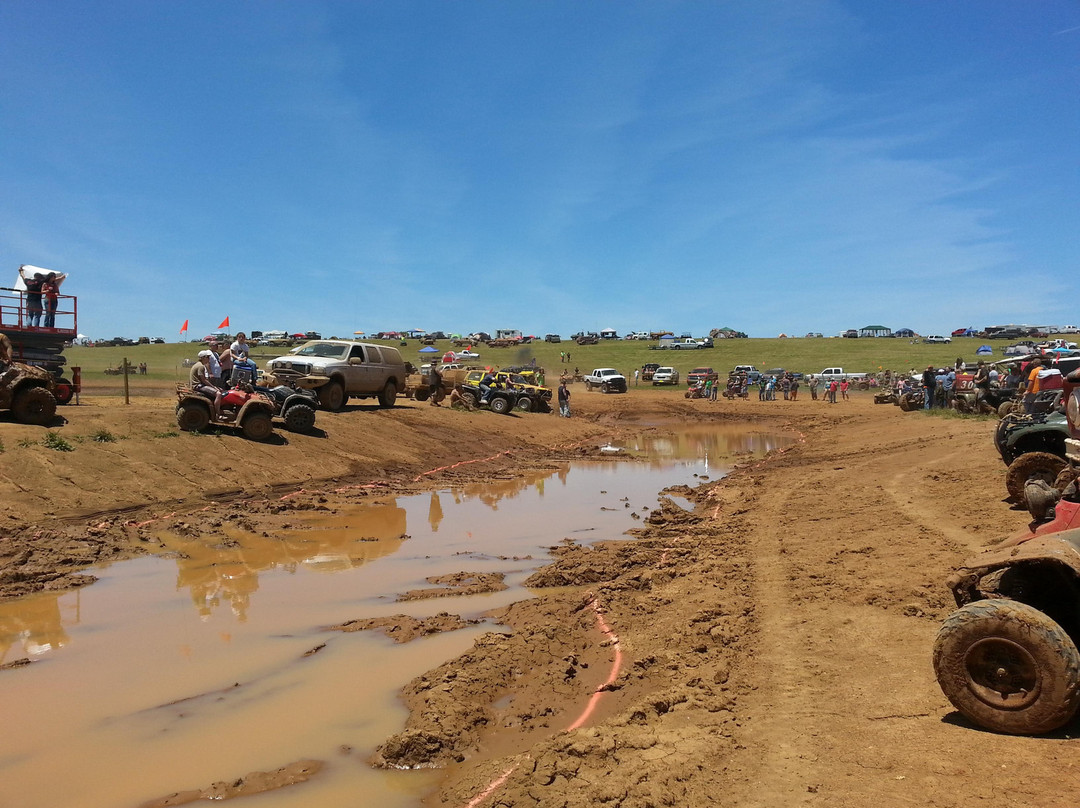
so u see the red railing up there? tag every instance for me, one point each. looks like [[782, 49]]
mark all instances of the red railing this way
[[15, 317]]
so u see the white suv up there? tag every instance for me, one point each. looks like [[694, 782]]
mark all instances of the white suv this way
[[338, 369], [937, 339]]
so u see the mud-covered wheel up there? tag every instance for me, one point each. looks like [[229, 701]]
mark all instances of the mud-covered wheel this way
[[524, 404], [588, 387], [332, 396], [300, 418], [34, 405], [1008, 667], [1038, 465], [905, 403], [962, 405], [605, 388], [388, 395], [64, 391], [501, 405], [1006, 407], [257, 426], [423, 394], [470, 399], [192, 417]]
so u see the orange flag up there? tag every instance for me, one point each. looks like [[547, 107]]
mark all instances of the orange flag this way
[[225, 323], [183, 328]]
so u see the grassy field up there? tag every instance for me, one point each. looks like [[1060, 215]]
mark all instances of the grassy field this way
[[164, 362]]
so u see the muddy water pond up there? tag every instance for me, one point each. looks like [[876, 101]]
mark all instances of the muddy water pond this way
[[208, 662]]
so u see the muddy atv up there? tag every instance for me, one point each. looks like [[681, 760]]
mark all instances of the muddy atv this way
[[502, 401], [1007, 658], [912, 400], [28, 392], [251, 412], [295, 407]]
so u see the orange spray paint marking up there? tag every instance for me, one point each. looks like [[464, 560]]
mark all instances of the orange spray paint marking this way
[[487, 792], [615, 668]]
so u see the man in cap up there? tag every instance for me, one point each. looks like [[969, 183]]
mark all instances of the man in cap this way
[[202, 383], [929, 383]]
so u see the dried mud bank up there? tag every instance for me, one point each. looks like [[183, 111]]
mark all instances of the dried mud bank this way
[[771, 648]]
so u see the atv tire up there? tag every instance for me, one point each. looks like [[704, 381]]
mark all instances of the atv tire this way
[[1005, 407], [257, 426], [193, 417], [300, 418], [1040, 465], [905, 403], [1008, 667], [34, 405], [422, 395], [470, 399], [332, 396], [501, 405], [388, 395]]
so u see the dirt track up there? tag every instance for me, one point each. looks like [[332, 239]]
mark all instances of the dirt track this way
[[775, 643]]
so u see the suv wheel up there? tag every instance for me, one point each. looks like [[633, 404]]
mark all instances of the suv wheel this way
[[1008, 667], [332, 396], [525, 404], [388, 395], [500, 404]]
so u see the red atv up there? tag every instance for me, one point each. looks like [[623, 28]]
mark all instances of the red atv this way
[[252, 412]]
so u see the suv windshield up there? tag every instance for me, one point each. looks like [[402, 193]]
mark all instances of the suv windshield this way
[[323, 349]]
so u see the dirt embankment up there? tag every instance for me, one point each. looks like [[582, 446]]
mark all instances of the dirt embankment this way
[[771, 648]]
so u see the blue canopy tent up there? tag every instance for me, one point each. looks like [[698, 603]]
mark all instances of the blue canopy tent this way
[[984, 350], [429, 349]]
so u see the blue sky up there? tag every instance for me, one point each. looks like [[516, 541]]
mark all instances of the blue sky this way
[[773, 166]]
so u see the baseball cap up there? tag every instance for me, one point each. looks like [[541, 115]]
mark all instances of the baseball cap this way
[[205, 353]]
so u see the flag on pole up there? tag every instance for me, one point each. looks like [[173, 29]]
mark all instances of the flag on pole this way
[[183, 328], [224, 323]]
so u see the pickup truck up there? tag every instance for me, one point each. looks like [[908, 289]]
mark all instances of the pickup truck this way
[[608, 380], [839, 374], [690, 344]]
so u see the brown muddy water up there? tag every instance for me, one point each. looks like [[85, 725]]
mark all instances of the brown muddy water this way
[[171, 673]]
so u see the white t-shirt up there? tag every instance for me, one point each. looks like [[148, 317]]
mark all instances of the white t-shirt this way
[[239, 350]]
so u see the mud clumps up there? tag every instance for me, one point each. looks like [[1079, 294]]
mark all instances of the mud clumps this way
[[402, 628], [458, 583], [250, 783]]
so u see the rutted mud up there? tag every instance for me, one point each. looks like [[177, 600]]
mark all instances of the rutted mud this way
[[775, 640]]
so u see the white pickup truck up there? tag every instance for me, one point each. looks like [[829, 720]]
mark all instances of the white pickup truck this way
[[608, 380], [839, 374]]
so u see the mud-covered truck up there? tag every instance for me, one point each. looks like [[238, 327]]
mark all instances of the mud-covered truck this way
[[608, 380]]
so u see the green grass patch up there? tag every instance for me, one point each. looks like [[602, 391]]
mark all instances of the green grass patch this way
[[56, 442], [169, 434], [103, 436]]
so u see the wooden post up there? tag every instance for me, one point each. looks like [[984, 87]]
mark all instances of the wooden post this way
[[127, 399]]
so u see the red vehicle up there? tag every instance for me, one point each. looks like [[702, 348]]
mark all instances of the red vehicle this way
[[42, 345]]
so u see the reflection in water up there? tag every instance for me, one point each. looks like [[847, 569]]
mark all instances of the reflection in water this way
[[259, 602], [34, 625]]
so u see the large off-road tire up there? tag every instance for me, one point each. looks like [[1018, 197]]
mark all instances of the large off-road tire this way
[[257, 426], [471, 399], [1008, 667], [501, 405], [332, 396], [34, 405], [905, 403], [962, 405], [605, 388], [524, 404], [191, 417], [423, 394], [64, 391], [388, 395], [1005, 407], [299, 418], [588, 386], [1040, 465]]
